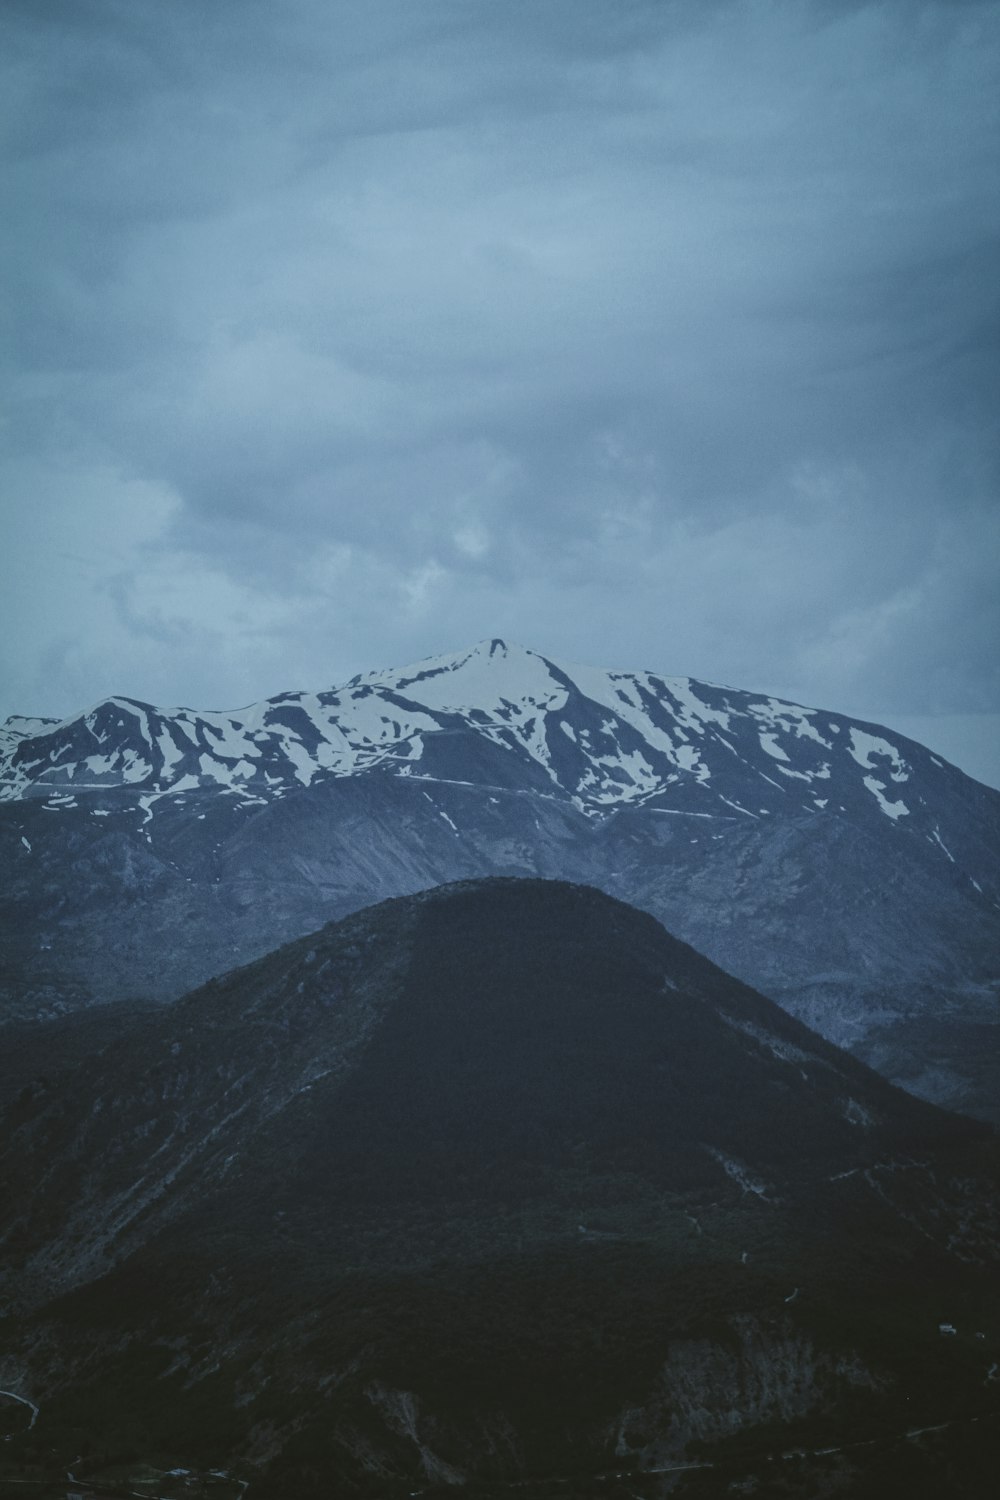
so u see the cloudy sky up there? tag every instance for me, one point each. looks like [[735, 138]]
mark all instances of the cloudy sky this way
[[649, 333]]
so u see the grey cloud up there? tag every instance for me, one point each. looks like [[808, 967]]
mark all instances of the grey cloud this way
[[661, 328]]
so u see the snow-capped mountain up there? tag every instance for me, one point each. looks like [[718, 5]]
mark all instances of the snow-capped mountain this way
[[838, 866], [602, 740]]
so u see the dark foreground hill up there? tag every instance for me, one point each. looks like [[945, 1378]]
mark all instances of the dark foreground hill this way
[[493, 1184]]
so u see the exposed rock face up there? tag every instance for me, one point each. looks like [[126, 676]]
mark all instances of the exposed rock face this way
[[708, 1390]]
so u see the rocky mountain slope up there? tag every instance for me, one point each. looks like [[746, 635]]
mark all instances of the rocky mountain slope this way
[[410, 1203], [843, 869]]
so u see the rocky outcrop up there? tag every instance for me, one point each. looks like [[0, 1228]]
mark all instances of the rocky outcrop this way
[[709, 1390]]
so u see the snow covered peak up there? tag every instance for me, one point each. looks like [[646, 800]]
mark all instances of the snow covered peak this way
[[496, 715], [491, 673]]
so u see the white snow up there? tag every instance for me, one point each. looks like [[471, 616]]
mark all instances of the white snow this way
[[490, 677], [231, 741], [770, 744], [739, 1173], [799, 775], [770, 782], [694, 711], [506, 694], [169, 750], [736, 806], [146, 804], [686, 757], [864, 746], [185, 784], [609, 690], [24, 1402], [682, 812], [937, 839], [132, 766], [18, 728], [892, 810], [786, 718]]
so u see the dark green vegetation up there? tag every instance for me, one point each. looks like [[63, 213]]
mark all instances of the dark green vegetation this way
[[497, 1183]]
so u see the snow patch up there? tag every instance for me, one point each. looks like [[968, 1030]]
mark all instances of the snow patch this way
[[771, 746], [864, 747], [936, 838], [739, 1172], [24, 1402], [892, 810]]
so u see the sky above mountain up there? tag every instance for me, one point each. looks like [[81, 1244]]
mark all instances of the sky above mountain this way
[[657, 335]]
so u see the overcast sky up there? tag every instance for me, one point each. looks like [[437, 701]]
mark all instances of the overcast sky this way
[[647, 334]]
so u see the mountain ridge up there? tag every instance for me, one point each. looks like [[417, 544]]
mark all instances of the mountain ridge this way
[[602, 738], [848, 872]]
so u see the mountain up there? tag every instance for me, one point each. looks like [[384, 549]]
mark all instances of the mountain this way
[[504, 715], [491, 1184], [843, 869]]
